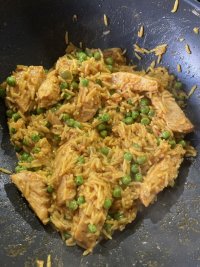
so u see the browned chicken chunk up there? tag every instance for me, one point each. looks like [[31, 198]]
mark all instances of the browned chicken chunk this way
[[169, 110], [161, 175], [34, 190], [88, 102], [134, 82], [49, 91], [66, 190], [95, 192], [28, 80]]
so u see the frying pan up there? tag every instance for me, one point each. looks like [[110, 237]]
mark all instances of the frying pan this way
[[32, 32]]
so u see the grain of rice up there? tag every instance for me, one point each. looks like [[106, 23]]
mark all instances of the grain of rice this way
[[187, 49], [5, 171], [192, 90], [66, 38], [141, 31], [106, 32], [105, 19], [49, 260], [138, 56], [40, 263], [196, 30], [179, 69], [74, 18], [181, 39], [81, 45], [175, 7]]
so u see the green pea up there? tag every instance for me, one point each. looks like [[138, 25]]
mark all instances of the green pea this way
[[177, 85], [128, 114], [145, 121], [88, 52], [134, 168], [107, 203], [144, 102], [35, 137], [2, 92], [66, 75], [129, 101], [135, 114], [65, 117], [84, 82], [36, 150], [17, 148], [109, 60], [105, 117], [182, 143], [12, 130], [74, 85], [77, 124], [46, 71], [80, 200], [104, 150], [141, 159], [70, 122], [25, 142], [144, 109], [50, 189], [9, 113], [92, 228], [67, 235], [56, 138], [138, 177], [40, 110], [128, 120], [99, 82], [151, 113], [16, 116], [48, 124], [128, 156], [67, 96], [172, 143], [24, 156], [11, 81], [126, 180], [20, 168], [112, 91], [81, 160], [79, 180], [73, 205], [136, 146], [165, 135], [64, 85], [110, 67], [82, 56], [101, 127], [103, 133], [97, 55], [117, 192], [107, 227], [118, 216]]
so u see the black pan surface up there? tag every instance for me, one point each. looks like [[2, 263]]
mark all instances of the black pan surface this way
[[32, 32]]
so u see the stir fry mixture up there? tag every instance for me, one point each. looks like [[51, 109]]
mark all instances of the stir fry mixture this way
[[95, 140]]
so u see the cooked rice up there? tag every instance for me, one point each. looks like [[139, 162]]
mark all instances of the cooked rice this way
[[138, 56], [196, 30], [175, 7], [67, 38], [179, 68], [76, 140], [105, 19], [187, 49], [141, 32], [192, 90], [74, 18], [5, 171]]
